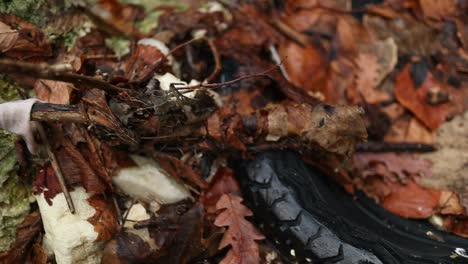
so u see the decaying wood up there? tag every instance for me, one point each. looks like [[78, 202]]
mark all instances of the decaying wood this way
[[57, 113]]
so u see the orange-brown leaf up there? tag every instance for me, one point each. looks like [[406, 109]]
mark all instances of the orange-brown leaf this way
[[411, 200], [104, 220], [241, 235], [415, 99], [53, 91], [437, 9]]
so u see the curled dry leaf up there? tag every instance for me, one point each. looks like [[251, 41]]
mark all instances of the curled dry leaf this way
[[31, 41], [144, 61], [414, 99], [335, 129], [8, 37], [241, 234]]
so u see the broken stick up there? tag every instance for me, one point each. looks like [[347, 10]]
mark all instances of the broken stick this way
[[57, 73]]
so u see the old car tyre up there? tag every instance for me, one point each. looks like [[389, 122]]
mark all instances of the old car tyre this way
[[312, 219]]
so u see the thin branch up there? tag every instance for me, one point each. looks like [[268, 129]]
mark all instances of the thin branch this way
[[216, 85], [57, 168], [217, 68], [394, 147], [56, 73]]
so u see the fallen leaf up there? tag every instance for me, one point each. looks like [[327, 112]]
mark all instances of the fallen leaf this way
[[31, 41], [46, 182], [449, 203], [25, 234], [414, 99], [449, 169], [367, 79], [307, 69], [410, 35], [177, 169], [222, 183], [411, 201], [401, 165], [104, 220], [439, 9], [8, 37], [126, 248], [241, 234], [419, 133], [143, 62], [187, 241], [53, 91]]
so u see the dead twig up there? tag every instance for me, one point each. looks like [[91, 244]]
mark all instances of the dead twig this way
[[217, 68], [57, 113], [216, 85], [394, 147], [61, 72], [56, 167]]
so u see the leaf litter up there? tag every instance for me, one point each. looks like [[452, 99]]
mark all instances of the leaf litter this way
[[188, 85]]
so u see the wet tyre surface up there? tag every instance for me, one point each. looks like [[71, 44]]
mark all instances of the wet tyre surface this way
[[311, 219]]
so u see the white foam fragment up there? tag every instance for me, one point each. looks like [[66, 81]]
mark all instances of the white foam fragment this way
[[69, 236], [148, 182]]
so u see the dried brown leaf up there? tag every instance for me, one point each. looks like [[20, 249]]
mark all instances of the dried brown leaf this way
[[26, 232], [436, 9], [412, 201], [241, 234], [53, 91], [104, 220], [223, 182], [8, 37], [31, 41], [367, 78], [401, 165]]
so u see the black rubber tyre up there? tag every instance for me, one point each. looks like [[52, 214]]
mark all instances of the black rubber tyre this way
[[301, 210]]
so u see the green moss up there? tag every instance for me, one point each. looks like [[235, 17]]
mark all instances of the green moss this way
[[150, 22], [15, 196], [120, 45], [26, 9]]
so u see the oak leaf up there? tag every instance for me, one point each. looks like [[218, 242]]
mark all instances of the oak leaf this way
[[241, 235], [223, 182]]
